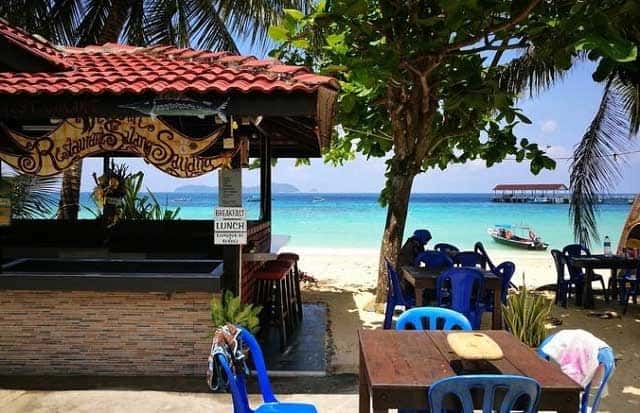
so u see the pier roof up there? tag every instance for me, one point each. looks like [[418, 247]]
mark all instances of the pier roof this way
[[530, 187]]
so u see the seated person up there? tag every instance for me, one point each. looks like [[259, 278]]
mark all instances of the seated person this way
[[408, 253]]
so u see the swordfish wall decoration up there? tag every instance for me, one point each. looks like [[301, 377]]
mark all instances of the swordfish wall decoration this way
[[155, 141]]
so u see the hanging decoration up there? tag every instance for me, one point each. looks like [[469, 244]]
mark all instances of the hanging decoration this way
[[157, 142]]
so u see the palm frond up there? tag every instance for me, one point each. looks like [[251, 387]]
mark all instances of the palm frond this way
[[210, 29], [33, 196], [250, 19], [65, 17], [531, 73], [30, 15], [629, 92], [593, 170], [134, 28], [96, 13]]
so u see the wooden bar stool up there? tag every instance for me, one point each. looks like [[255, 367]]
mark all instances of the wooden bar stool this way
[[290, 296], [271, 294], [293, 258]]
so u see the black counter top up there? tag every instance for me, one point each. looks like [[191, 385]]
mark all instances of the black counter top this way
[[97, 274]]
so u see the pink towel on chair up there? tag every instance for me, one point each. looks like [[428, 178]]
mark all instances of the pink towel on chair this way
[[576, 351]]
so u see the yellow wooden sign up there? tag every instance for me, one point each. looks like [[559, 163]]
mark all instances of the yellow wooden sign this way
[[155, 141]]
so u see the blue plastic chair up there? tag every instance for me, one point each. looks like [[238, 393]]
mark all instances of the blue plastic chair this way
[[237, 384], [433, 260], [463, 288], [479, 248], [395, 296], [505, 271], [632, 291], [521, 392], [432, 318], [575, 273], [446, 248], [563, 286], [606, 360], [469, 259]]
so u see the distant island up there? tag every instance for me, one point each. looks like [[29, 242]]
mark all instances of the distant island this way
[[275, 188]]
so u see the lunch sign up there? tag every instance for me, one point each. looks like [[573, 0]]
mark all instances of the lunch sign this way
[[230, 226]]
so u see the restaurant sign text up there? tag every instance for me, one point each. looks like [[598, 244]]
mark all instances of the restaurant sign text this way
[[230, 226], [150, 138]]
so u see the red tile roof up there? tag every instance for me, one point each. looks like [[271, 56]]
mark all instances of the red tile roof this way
[[530, 187], [32, 44], [119, 69]]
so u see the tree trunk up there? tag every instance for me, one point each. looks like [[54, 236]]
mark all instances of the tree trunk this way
[[115, 22], [394, 228], [70, 192]]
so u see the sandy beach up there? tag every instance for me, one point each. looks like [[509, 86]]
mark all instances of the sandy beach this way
[[346, 282]]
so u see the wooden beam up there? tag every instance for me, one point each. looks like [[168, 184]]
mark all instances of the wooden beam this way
[[23, 107], [232, 254], [265, 178], [17, 59]]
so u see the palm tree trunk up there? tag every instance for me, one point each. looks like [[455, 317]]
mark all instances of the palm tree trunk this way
[[394, 229], [115, 21], [70, 196]]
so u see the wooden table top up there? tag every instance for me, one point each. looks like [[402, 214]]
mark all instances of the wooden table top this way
[[604, 261], [402, 360]]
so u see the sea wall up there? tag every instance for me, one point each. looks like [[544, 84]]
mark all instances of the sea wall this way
[[104, 333]]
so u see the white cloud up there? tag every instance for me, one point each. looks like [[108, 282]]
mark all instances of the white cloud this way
[[549, 126]]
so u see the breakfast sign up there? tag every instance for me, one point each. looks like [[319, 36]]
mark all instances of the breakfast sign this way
[[158, 143]]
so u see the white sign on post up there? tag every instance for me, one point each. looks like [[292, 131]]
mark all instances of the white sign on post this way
[[230, 226]]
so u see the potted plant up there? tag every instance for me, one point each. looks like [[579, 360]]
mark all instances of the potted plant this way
[[230, 310], [525, 315]]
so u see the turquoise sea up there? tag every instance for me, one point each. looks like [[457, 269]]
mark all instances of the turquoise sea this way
[[357, 220]]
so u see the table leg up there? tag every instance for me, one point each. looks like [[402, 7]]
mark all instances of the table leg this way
[[419, 297], [496, 317], [613, 285], [364, 397], [587, 299], [570, 405]]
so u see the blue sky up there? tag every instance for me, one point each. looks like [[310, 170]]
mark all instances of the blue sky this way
[[560, 117]]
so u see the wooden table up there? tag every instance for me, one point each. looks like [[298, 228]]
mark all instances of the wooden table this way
[[397, 368], [424, 279], [599, 262]]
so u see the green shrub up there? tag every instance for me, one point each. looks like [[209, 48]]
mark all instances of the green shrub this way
[[525, 315], [231, 310]]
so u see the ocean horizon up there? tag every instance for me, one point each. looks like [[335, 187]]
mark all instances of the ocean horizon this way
[[356, 220]]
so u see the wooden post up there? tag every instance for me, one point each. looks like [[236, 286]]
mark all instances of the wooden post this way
[[265, 178], [232, 254], [1, 229]]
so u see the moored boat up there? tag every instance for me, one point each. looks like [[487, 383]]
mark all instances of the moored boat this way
[[509, 235]]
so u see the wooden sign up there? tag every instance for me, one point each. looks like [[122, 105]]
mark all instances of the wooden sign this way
[[158, 143], [230, 226]]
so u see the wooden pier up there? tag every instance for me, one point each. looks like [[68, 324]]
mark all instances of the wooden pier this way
[[532, 193]]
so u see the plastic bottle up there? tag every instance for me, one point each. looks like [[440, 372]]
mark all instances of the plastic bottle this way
[[607, 246]]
